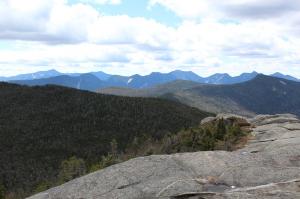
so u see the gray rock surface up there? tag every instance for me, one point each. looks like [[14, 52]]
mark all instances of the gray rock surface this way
[[208, 120], [267, 167]]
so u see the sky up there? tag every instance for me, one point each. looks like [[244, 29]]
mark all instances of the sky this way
[[141, 36]]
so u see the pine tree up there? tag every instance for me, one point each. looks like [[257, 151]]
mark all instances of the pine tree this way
[[2, 192], [114, 147], [221, 129], [71, 168]]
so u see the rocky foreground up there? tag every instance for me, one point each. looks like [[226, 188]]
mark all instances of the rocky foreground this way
[[267, 167]]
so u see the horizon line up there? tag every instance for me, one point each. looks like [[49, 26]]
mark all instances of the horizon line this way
[[68, 73]]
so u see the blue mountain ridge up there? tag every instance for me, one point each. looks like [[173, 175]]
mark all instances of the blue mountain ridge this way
[[96, 80]]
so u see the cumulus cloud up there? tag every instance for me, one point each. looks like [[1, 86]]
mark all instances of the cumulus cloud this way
[[259, 9], [191, 9], [21, 16], [214, 36], [127, 30], [51, 21], [56, 22]]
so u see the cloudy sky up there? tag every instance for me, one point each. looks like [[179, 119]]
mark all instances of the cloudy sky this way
[[140, 36]]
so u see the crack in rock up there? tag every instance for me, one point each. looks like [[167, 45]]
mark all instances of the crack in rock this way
[[128, 185]]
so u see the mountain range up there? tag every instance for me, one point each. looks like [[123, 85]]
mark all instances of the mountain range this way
[[97, 80], [83, 82], [260, 95], [216, 93], [51, 73]]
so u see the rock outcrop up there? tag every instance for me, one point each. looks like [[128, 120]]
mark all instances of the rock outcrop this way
[[267, 167]]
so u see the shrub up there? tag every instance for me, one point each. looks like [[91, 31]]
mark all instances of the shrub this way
[[71, 168], [2, 192]]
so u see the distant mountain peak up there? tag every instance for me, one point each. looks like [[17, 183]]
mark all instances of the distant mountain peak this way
[[182, 71], [277, 73], [259, 76], [52, 70], [268, 78], [220, 75], [288, 77], [155, 73], [135, 76], [101, 75], [178, 72], [251, 73]]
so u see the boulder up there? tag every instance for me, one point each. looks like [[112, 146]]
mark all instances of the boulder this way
[[230, 119], [208, 120]]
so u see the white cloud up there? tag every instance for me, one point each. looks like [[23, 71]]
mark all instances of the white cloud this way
[[49, 21], [226, 37], [103, 2], [70, 23], [127, 30], [20, 16], [191, 9]]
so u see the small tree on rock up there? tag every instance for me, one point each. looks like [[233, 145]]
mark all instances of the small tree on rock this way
[[71, 168]]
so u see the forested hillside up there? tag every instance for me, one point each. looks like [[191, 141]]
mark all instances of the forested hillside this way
[[261, 95], [42, 127]]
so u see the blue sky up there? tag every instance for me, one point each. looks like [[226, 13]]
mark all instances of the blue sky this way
[[141, 36], [138, 8]]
